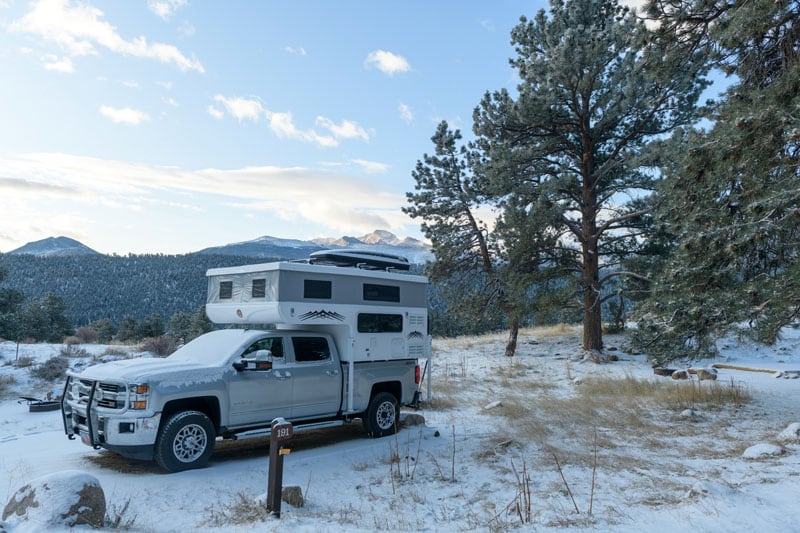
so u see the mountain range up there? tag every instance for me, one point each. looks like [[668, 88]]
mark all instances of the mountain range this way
[[416, 251]]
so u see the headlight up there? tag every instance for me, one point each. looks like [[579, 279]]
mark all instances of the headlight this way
[[138, 395]]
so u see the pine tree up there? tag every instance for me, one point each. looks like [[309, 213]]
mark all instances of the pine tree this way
[[466, 260], [562, 155], [732, 197]]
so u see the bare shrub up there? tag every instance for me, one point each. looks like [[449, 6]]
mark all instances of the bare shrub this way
[[87, 334], [119, 517], [116, 350], [51, 370], [23, 362], [72, 340], [243, 510], [5, 384], [73, 350], [162, 345]]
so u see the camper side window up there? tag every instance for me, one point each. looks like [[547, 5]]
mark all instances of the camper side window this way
[[379, 323], [225, 290], [381, 293], [310, 349], [315, 288]]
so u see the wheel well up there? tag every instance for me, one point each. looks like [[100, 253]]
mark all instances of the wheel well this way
[[392, 387], [205, 404]]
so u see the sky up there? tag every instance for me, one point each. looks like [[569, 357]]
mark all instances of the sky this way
[[168, 126]]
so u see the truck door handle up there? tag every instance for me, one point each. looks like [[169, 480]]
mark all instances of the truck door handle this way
[[332, 372]]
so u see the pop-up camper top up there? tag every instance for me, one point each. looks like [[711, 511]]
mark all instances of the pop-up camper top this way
[[372, 311]]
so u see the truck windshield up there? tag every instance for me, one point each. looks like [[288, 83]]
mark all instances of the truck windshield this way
[[214, 348]]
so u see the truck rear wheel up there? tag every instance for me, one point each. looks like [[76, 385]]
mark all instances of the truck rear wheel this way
[[381, 417], [186, 441]]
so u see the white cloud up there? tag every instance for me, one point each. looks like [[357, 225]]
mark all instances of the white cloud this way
[[300, 51], [282, 122], [79, 28], [242, 108], [371, 167], [405, 113], [165, 84], [64, 64], [216, 113], [125, 115], [165, 8], [387, 62], [170, 101], [336, 200], [347, 129]]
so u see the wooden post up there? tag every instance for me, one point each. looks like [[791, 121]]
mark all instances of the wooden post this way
[[281, 433]]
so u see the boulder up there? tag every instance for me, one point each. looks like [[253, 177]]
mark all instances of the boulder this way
[[63, 499], [680, 374], [293, 495], [763, 450], [411, 419], [791, 434]]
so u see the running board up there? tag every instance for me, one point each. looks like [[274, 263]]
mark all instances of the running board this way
[[266, 432]]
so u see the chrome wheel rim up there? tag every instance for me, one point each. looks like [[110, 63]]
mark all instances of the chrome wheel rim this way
[[189, 443], [385, 415]]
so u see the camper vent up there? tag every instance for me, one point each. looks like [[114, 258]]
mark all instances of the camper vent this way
[[416, 321], [416, 351]]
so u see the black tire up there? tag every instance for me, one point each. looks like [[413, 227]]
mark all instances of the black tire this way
[[382, 416], [186, 441]]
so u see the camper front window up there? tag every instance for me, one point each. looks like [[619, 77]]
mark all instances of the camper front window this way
[[381, 293], [259, 288], [225, 290]]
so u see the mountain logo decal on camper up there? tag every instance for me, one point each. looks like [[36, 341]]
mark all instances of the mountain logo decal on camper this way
[[415, 335], [321, 315]]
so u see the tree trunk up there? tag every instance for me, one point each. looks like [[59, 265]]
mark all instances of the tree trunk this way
[[513, 333], [592, 318]]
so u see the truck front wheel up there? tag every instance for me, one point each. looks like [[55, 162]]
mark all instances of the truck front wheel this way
[[185, 441], [381, 417]]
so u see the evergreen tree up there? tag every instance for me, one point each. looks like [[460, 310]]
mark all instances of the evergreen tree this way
[[151, 326], [466, 267], [105, 329], [128, 329], [10, 302], [200, 324], [563, 155], [43, 319], [732, 199]]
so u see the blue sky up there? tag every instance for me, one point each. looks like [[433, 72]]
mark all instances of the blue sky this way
[[167, 126]]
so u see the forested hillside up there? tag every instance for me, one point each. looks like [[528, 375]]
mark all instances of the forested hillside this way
[[102, 286]]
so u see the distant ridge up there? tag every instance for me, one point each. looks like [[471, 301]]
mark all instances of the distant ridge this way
[[54, 247], [383, 241], [266, 247]]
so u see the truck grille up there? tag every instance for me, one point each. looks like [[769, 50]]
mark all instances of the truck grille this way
[[108, 395]]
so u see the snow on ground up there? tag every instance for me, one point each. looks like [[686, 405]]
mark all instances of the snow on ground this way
[[507, 444]]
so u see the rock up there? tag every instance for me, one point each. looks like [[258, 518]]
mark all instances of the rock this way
[[411, 419], [492, 405], [680, 374], [763, 450], [66, 499], [660, 371], [790, 434], [690, 414], [704, 374], [293, 495]]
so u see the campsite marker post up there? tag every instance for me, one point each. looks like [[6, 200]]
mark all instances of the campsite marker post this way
[[281, 434]]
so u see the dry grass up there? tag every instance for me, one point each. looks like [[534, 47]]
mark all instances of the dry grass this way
[[634, 418]]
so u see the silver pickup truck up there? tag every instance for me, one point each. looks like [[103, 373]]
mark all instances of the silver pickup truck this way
[[231, 384]]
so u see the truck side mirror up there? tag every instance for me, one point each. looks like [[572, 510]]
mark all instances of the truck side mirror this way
[[261, 361]]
